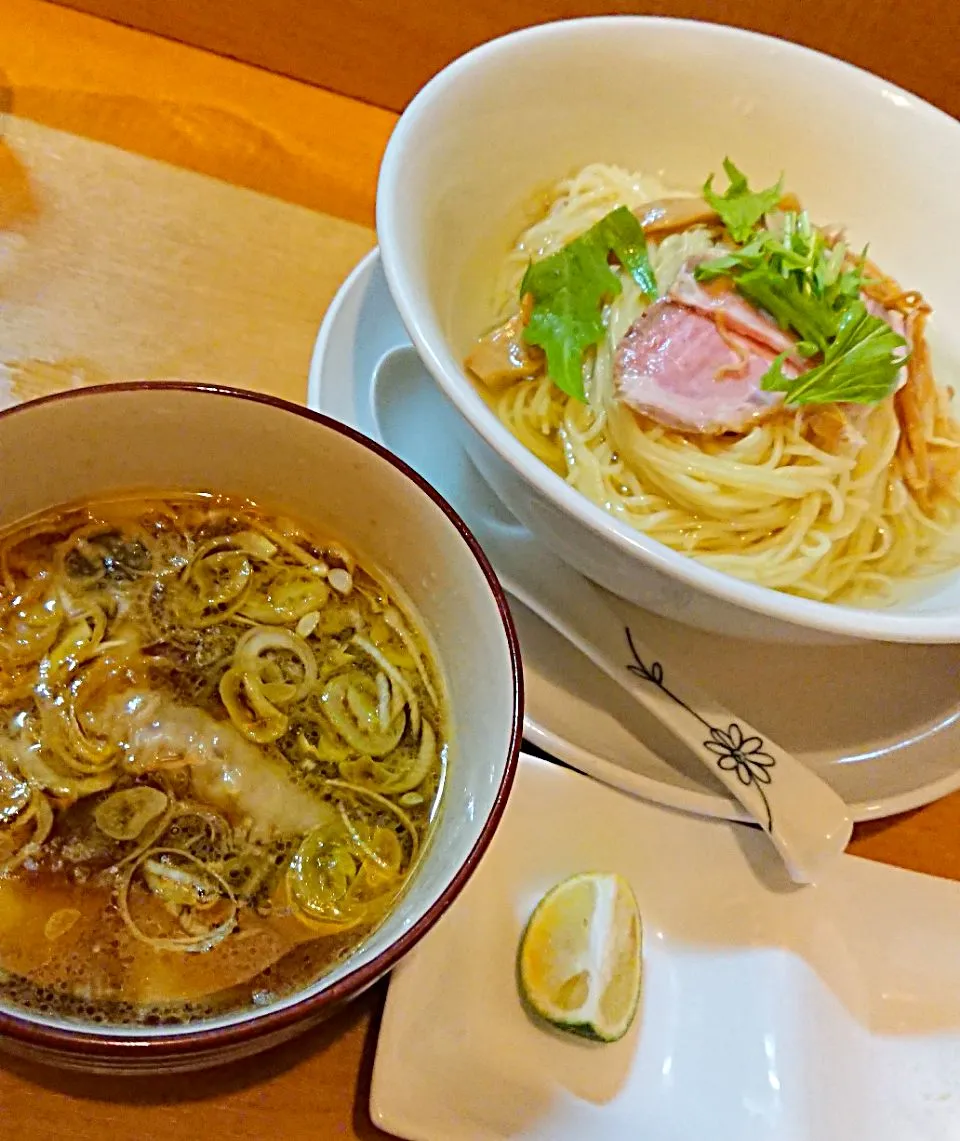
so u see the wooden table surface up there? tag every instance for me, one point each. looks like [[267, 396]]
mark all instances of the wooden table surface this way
[[305, 162]]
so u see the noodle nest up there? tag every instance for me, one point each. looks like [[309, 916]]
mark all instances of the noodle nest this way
[[813, 501]]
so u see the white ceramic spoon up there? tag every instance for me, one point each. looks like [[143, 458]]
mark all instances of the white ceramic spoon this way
[[805, 819]]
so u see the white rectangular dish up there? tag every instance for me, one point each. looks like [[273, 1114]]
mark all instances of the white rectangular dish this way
[[769, 1013]]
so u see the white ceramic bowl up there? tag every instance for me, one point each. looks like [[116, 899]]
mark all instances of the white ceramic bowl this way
[[174, 436], [672, 97]]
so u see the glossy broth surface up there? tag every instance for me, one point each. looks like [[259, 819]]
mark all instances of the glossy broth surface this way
[[222, 745]]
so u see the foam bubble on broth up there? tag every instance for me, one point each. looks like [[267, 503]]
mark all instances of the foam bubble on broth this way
[[222, 745]]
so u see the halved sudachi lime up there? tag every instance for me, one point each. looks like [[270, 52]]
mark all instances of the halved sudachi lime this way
[[579, 964]]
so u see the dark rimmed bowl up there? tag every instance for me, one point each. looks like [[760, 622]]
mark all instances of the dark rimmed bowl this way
[[175, 436]]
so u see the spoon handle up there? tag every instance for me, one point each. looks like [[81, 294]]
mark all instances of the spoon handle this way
[[805, 819]]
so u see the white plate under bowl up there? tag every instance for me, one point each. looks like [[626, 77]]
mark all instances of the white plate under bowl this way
[[881, 722], [768, 1013]]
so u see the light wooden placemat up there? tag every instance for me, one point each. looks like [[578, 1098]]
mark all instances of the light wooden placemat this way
[[115, 266]]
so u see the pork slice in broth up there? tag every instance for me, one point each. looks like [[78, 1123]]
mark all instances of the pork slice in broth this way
[[227, 772]]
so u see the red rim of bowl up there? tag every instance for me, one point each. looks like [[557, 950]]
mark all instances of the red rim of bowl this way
[[105, 1046]]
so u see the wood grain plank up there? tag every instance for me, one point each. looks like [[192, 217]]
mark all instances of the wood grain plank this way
[[312, 1089], [190, 108], [383, 51], [124, 267]]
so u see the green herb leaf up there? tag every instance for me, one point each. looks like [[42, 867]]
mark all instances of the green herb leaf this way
[[741, 208], [570, 288], [807, 315], [861, 364], [792, 273], [621, 233], [794, 276]]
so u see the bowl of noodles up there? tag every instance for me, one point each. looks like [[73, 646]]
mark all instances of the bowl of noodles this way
[[245, 762], [685, 289]]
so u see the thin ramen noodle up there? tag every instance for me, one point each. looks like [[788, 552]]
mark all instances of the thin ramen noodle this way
[[837, 501]]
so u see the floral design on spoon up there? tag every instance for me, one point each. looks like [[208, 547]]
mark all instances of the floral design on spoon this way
[[735, 752]]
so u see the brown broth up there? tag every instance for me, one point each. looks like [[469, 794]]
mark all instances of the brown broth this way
[[226, 807]]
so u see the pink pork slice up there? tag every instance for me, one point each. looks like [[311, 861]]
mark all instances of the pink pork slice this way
[[718, 298], [670, 367]]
